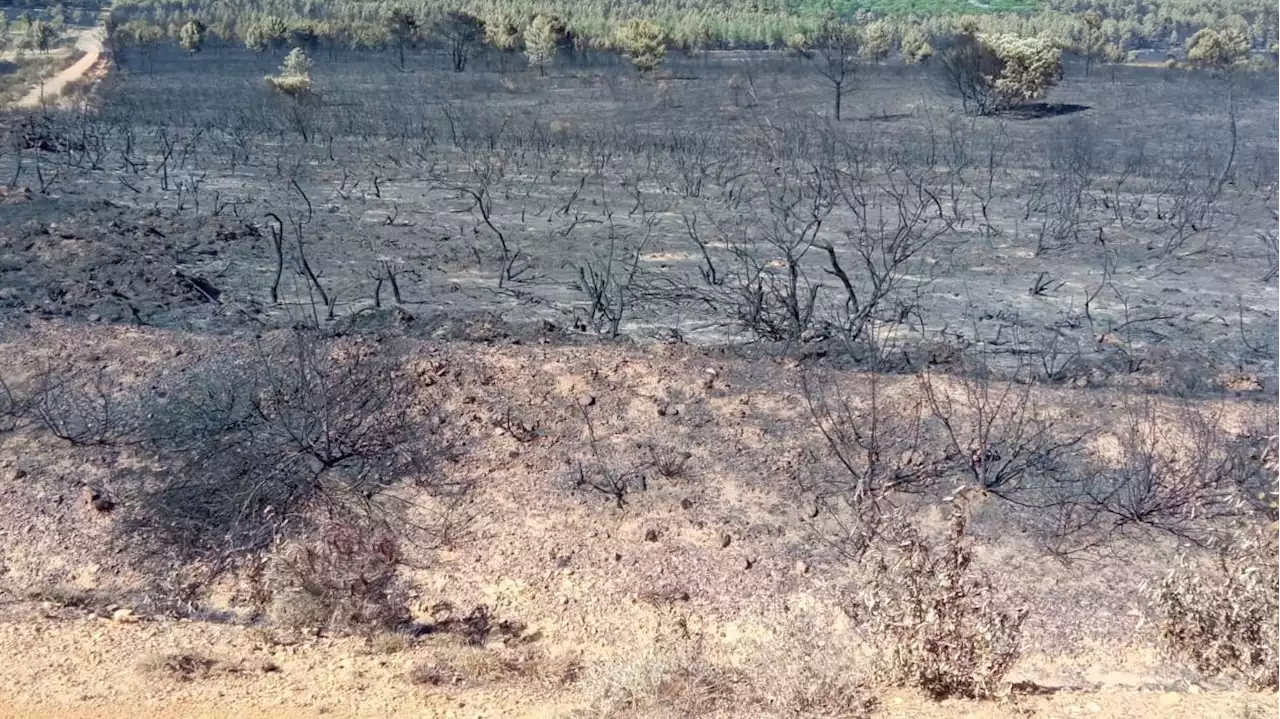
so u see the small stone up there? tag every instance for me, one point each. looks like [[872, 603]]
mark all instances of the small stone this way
[[725, 539], [747, 563], [1094, 707], [100, 501], [617, 556], [586, 400], [686, 503], [651, 535], [802, 567], [17, 473], [123, 616]]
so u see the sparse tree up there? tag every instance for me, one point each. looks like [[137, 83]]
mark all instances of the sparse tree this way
[[916, 45], [996, 72], [1090, 41], [838, 45], [1222, 52], [643, 43], [502, 33], [403, 28], [269, 32], [294, 79], [40, 36], [541, 40], [876, 41], [191, 36], [459, 32], [58, 17], [1217, 49]]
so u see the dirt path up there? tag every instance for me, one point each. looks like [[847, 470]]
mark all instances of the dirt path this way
[[91, 44]]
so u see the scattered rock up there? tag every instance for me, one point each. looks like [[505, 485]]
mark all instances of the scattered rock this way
[[802, 567], [100, 501], [617, 556], [15, 474], [725, 539], [650, 535], [747, 563], [686, 503], [586, 400], [123, 616]]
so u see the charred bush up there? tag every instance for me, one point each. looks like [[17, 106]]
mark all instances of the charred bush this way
[[937, 623], [259, 447]]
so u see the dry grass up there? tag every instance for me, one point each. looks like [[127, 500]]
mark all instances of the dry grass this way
[[291, 85], [469, 665], [183, 666], [776, 679], [345, 582], [676, 682]]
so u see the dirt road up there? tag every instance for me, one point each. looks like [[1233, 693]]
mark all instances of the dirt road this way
[[48, 91]]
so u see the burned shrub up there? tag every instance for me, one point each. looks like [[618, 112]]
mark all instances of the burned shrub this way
[[936, 623], [1222, 616], [601, 471], [81, 408], [12, 408], [1175, 473], [261, 446]]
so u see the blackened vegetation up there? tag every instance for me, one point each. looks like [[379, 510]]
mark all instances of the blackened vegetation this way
[[969, 264], [255, 446], [294, 432]]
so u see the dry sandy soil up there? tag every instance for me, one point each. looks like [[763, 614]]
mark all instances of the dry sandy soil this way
[[580, 592], [89, 43]]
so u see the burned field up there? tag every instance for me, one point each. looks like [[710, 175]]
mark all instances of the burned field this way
[[687, 316], [1125, 228]]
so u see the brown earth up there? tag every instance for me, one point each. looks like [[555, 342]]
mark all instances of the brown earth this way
[[48, 91], [579, 589]]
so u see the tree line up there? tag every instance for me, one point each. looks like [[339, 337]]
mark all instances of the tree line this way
[[1101, 29]]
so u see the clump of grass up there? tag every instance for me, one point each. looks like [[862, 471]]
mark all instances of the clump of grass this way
[[776, 678], [681, 682], [1222, 616], [388, 643], [64, 595], [669, 462], [808, 675], [344, 581], [470, 665], [184, 666]]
